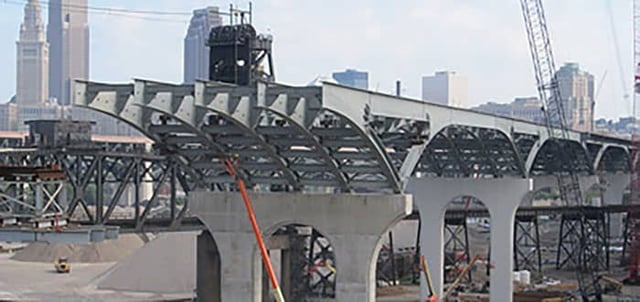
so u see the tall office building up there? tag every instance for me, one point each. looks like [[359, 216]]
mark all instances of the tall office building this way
[[446, 88], [196, 51], [32, 82], [577, 92], [353, 78], [68, 37]]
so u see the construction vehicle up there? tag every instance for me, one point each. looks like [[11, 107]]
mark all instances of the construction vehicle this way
[[558, 135], [62, 265]]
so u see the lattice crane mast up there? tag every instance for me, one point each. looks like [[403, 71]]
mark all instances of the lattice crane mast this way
[[633, 218], [558, 131]]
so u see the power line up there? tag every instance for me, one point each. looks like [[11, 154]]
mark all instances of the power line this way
[[161, 16], [156, 15]]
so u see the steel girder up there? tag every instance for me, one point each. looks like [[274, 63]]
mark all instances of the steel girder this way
[[10, 142], [284, 136], [345, 139], [461, 151], [118, 100], [300, 113], [108, 186]]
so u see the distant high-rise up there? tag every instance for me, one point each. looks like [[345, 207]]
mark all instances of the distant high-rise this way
[[196, 51], [577, 92], [353, 78], [446, 88], [32, 82], [68, 37]]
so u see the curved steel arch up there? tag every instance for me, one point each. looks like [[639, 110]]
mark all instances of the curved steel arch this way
[[515, 150], [452, 147], [184, 113], [115, 100], [369, 138], [118, 101], [483, 147], [208, 104], [319, 148], [600, 156], [540, 146], [464, 128]]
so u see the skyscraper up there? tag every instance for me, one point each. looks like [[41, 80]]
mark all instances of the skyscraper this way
[[68, 37], [353, 78], [32, 82], [577, 93], [446, 88], [196, 51]]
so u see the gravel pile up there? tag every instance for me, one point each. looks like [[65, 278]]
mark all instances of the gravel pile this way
[[167, 265], [105, 251]]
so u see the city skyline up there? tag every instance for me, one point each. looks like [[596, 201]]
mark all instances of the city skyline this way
[[68, 37], [446, 88], [490, 47], [32, 58], [196, 51]]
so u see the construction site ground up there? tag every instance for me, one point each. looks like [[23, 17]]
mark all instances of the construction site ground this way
[[37, 281], [141, 276]]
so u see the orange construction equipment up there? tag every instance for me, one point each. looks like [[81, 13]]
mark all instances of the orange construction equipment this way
[[277, 292], [431, 297]]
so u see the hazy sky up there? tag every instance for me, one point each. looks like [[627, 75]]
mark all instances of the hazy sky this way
[[484, 40]]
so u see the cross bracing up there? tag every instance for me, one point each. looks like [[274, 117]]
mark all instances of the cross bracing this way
[[337, 138]]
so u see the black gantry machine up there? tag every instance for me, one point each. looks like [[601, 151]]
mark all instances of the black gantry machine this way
[[558, 132]]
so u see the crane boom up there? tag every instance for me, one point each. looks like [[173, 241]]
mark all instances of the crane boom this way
[[632, 229], [558, 133]]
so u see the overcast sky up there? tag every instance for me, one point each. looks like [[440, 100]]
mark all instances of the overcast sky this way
[[484, 40]]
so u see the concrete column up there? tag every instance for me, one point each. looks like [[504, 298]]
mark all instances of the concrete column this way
[[501, 196], [354, 224], [285, 272], [614, 185], [208, 269]]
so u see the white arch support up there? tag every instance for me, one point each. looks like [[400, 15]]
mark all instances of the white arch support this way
[[354, 224], [500, 195]]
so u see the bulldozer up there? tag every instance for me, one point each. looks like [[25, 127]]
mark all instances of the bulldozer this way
[[62, 265]]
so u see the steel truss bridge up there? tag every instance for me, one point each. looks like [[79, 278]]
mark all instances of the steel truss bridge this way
[[325, 138]]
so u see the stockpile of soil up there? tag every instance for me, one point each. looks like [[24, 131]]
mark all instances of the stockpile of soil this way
[[167, 264], [105, 251]]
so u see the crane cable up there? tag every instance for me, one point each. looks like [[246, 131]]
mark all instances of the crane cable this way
[[616, 45]]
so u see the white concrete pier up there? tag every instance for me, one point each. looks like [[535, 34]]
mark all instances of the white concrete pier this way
[[354, 225], [501, 196]]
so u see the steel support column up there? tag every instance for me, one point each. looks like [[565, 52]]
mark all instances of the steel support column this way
[[456, 247], [526, 244]]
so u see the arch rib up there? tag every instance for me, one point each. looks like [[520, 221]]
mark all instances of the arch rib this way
[[216, 101], [333, 165], [600, 155], [367, 136]]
